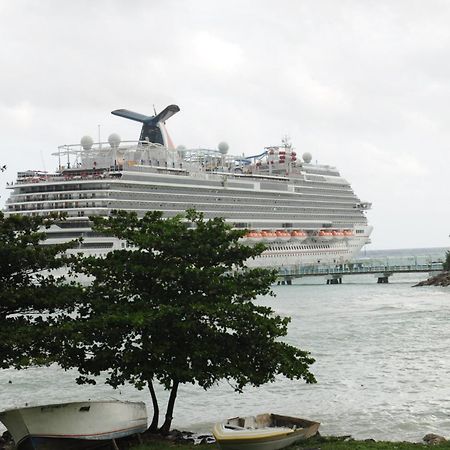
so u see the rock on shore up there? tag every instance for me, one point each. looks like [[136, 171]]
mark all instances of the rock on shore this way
[[442, 279], [434, 439]]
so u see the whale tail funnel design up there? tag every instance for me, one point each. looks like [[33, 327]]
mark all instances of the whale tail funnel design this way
[[152, 126]]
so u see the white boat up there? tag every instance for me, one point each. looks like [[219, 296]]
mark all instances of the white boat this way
[[76, 425], [272, 191], [262, 432]]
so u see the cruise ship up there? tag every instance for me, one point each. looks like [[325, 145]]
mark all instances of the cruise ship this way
[[305, 213]]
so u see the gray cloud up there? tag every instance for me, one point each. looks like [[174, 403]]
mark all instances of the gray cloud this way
[[362, 85]]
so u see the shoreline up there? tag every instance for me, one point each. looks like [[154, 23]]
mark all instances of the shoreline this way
[[442, 279], [204, 441], [183, 439]]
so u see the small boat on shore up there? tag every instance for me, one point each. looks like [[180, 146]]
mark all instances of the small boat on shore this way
[[262, 432], [74, 426]]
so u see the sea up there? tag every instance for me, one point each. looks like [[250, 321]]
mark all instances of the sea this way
[[382, 365]]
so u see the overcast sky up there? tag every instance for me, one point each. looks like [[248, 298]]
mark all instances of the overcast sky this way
[[363, 85]]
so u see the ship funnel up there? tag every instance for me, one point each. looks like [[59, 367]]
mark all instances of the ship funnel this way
[[151, 125]]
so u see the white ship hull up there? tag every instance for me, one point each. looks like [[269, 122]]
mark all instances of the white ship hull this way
[[278, 255]]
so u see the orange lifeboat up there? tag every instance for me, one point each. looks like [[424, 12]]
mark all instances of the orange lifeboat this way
[[253, 236], [348, 233], [247, 237], [338, 234], [298, 235], [283, 235], [257, 236], [325, 235], [271, 236], [268, 236]]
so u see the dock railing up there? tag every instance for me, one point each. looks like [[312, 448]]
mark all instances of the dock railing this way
[[375, 266]]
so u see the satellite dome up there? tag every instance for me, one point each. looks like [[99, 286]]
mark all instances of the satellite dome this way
[[307, 157], [114, 140], [86, 142], [223, 148]]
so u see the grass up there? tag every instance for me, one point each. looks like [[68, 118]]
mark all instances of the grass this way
[[322, 443]]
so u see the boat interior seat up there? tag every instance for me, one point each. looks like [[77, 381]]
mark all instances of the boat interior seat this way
[[264, 420], [233, 427], [250, 422]]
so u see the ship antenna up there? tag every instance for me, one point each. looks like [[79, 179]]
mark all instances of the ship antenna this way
[[99, 140], [286, 141], [42, 160], [154, 109]]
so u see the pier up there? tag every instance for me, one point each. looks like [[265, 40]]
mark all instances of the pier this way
[[382, 269]]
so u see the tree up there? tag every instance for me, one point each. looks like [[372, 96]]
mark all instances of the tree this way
[[446, 264], [28, 288], [176, 306]]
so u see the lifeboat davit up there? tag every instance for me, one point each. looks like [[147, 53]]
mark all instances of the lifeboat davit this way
[[298, 235]]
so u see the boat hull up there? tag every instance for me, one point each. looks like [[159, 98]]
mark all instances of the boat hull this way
[[280, 433], [267, 443], [76, 425]]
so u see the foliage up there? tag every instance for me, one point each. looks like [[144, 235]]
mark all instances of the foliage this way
[[447, 261], [324, 443], [176, 306], [28, 289]]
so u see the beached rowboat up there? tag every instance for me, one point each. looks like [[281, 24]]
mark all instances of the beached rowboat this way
[[76, 425], [262, 432]]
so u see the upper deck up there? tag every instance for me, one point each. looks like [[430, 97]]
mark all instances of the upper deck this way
[[89, 160]]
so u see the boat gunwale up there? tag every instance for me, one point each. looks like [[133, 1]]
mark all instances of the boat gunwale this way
[[253, 436], [59, 405]]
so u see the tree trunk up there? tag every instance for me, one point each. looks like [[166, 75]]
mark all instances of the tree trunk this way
[[153, 428], [164, 430]]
